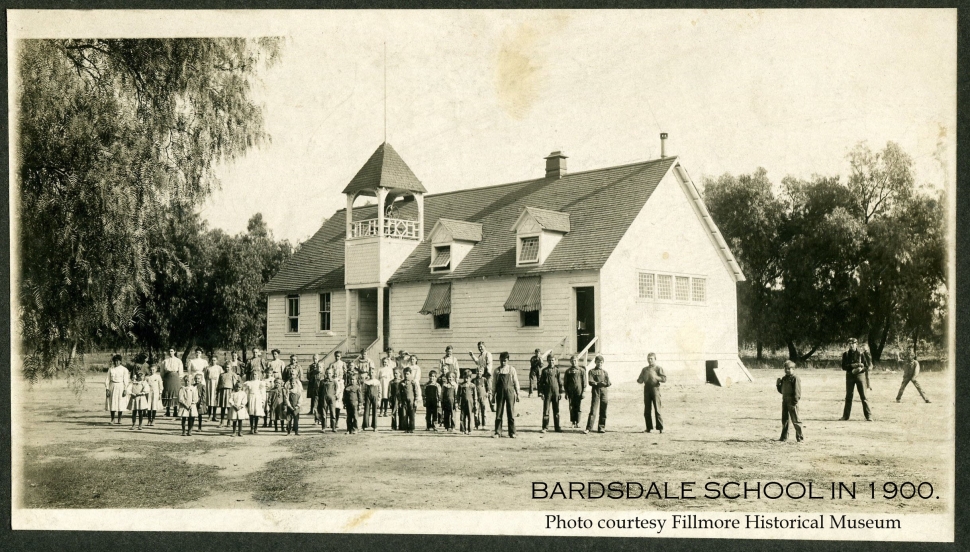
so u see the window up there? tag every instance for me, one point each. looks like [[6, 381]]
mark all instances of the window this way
[[324, 312], [646, 285], [293, 313], [683, 288], [671, 287], [442, 259], [442, 321], [530, 319], [699, 290], [665, 286], [529, 250]]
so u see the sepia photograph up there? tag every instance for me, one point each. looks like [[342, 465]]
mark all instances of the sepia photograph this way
[[619, 273]]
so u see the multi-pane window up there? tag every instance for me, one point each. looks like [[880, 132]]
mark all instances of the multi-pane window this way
[[665, 286], [646, 285], [442, 259], [325, 312], [699, 290], [671, 287], [293, 313], [529, 250], [682, 290]]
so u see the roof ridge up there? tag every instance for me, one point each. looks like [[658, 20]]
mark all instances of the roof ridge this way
[[672, 157], [491, 186]]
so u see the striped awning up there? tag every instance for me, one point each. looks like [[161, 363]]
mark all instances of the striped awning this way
[[526, 295], [439, 300]]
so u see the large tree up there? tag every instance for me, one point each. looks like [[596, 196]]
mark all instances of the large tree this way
[[111, 133], [750, 216]]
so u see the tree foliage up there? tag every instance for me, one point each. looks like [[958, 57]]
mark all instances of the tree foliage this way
[[114, 135], [826, 259]]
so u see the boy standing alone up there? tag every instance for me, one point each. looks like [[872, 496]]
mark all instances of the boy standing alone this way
[[790, 388], [651, 377]]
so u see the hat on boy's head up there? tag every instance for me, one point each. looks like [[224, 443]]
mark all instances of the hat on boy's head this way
[[853, 340]]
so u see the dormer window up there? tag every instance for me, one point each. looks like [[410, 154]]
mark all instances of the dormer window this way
[[441, 258], [450, 241], [529, 250], [537, 232]]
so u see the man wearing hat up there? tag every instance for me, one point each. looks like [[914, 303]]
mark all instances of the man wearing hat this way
[[856, 364]]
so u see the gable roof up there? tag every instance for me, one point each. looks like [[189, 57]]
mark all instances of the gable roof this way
[[601, 205], [461, 230], [548, 220], [385, 169]]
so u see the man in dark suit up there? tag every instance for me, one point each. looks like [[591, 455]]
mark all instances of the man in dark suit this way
[[856, 364], [550, 387]]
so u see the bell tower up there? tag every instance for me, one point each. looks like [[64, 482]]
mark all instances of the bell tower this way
[[379, 238]]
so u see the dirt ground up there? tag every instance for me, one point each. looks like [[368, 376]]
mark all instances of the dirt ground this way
[[713, 436]]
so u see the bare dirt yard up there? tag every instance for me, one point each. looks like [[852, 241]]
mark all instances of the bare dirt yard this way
[[72, 458]]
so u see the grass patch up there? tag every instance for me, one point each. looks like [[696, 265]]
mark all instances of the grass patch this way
[[284, 480], [116, 483], [150, 475], [281, 481]]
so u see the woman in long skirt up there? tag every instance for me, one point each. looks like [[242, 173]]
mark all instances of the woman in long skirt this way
[[154, 381], [171, 382], [116, 389], [212, 373], [188, 404]]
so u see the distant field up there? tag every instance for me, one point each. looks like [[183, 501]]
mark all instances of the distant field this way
[[713, 434]]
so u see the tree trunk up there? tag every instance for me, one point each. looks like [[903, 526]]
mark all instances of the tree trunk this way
[[805, 357], [760, 347], [792, 350]]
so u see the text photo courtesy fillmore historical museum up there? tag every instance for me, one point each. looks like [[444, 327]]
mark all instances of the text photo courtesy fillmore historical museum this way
[[613, 273]]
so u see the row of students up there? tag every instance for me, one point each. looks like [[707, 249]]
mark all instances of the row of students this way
[[451, 392]]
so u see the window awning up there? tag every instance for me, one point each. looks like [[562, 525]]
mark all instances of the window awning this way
[[526, 295], [438, 301]]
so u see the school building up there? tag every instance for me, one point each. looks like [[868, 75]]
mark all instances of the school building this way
[[621, 261]]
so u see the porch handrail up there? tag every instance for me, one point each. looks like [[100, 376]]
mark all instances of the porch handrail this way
[[332, 351], [368, 348], [585, 352]]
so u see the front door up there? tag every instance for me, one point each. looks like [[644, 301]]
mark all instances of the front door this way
[[366, 317], [585, 318]]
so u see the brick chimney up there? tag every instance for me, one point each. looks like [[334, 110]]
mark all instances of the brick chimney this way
[[556, 165]]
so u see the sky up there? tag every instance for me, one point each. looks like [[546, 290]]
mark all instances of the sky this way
[[476, 98]]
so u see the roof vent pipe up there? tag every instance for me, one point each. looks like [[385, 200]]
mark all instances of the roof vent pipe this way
[[663, 145]]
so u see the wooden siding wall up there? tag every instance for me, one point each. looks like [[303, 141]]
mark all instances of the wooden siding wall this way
[[668, 237], [478, 314], [362, 261], [309, 340]]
